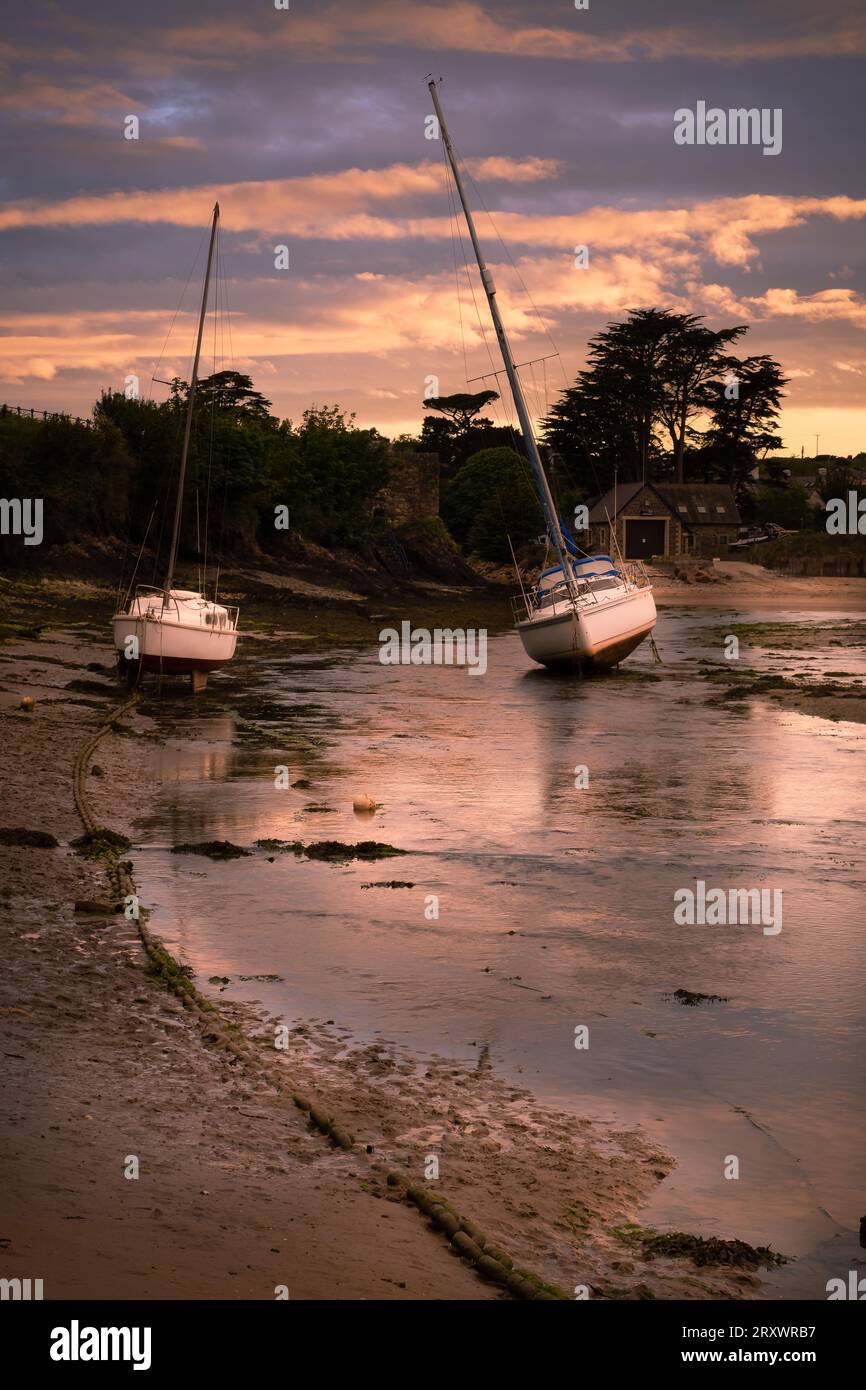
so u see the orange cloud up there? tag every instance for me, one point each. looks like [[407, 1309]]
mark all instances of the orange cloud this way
[[355, 204], [347, 31], [318, 205], [838, 305], [88, 104]]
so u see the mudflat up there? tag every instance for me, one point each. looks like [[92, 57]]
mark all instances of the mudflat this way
[[236, 1196]]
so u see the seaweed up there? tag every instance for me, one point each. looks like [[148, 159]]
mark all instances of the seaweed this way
[[389, 883], [336, 852], [213, 849], [101, 843], [690, 998], [32, 839], [702, 1250]]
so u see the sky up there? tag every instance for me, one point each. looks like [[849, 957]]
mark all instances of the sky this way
[[310, 126]]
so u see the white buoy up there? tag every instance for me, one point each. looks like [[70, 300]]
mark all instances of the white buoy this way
[[364, 805], [26, 702]]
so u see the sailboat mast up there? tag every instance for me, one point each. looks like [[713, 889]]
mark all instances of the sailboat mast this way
[[547, 502], [178, 508]]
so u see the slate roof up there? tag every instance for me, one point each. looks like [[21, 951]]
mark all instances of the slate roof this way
[[701, 504], [695, 504], [600, 510]]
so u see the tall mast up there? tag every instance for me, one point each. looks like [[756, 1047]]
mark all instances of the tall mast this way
[[547, 502], [178, 508]]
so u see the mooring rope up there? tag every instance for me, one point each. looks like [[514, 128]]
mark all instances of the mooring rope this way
[[469, 1242]]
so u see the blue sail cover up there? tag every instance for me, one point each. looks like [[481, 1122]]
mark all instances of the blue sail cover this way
[[590, 566], [582, 564], [570, 543]]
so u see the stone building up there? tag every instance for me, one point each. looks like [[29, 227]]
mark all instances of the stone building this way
[[664, 519]]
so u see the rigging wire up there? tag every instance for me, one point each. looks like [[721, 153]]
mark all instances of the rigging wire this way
[[453, 223], [178, 309], [544, 328], [501, 410], [556, 353], [537, 394], [218, 326], [483, 333]]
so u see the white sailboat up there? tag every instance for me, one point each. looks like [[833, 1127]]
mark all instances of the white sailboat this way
[[585, 612], [168, 630]]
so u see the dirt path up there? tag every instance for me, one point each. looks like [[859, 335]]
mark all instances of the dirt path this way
[[746, 586]]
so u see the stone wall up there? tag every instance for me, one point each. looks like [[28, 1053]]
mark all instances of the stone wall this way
[[412, 493], [714, 540]]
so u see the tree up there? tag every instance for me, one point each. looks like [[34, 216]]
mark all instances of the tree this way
[[227, 391], [608, 419], [490, 499], [837, 480], [462, 408], [744, 426], [328, 473], [457, 434], [649, 379], [692, 361], [787, 506]]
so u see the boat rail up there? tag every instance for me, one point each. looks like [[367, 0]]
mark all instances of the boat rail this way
[[632, 571], [635, 573], [227, 620]]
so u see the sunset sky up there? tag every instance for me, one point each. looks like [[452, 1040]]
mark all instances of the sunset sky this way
[[308, 125]]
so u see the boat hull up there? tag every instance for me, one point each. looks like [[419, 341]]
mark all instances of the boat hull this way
[[590, 638], [172, 648]]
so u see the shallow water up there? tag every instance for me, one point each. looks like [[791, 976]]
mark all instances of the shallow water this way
[[556, 903]]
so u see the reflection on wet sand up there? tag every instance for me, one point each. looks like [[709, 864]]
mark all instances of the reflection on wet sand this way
[[556, 902]]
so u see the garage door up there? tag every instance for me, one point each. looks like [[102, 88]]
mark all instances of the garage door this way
[[644, 539]]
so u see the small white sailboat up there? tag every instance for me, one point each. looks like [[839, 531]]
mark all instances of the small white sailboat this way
[[591, 623], [168, 630], [586, 612]]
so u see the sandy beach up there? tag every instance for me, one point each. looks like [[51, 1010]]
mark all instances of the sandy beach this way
[[237, 1195]]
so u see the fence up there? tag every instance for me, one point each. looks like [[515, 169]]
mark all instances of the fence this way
[[25, 412]]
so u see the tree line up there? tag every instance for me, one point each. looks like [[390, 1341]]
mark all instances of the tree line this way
[[662, 398], [116, 478]]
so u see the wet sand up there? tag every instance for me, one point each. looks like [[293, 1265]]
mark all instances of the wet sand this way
[[236, 1196], [746, 585]]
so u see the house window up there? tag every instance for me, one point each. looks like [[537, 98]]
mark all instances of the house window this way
[[720, 509], [701, 507]]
